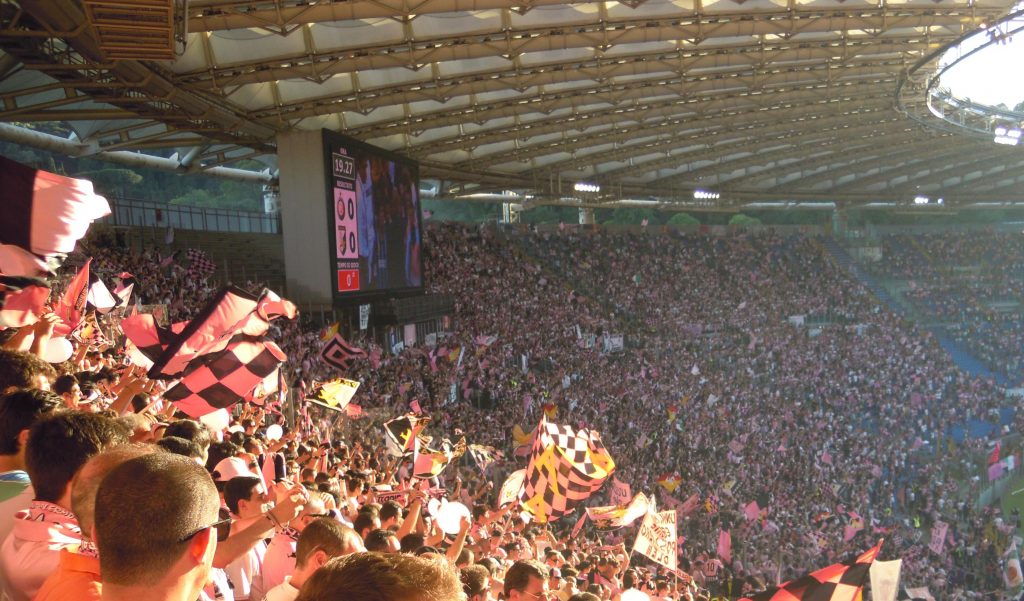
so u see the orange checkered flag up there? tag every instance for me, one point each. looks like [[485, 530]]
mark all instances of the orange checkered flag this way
[[566, 467]]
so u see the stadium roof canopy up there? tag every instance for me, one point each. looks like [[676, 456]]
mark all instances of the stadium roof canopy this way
[[756, 100]]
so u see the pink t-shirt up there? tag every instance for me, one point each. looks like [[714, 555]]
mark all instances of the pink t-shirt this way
[[279, 560]]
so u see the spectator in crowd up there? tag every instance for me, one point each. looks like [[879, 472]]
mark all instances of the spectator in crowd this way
[[383, 577], [24, 370], [56, 448], [19, 411], [78, 576], [526, 579], [321, 539]]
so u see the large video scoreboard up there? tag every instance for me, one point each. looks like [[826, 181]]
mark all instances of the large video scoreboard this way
[[374, 220]]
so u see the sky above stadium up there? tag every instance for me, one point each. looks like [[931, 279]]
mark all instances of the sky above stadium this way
[[992, 75]]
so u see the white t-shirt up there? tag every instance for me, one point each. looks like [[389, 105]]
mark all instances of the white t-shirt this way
[[282, 592], [246, 573]]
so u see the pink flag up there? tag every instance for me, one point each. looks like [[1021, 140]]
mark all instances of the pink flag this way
[[415, 406], [752, 510], [579, 525], [45, 213], [995, 471], [72, 305], [21, 301], [826, 458], [725, 546]]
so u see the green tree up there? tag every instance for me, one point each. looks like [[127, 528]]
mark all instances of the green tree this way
[[113, 181], [744, 220], [683, 219], [635, 216]]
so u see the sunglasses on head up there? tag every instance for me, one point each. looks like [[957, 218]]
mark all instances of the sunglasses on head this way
[[222, 527]]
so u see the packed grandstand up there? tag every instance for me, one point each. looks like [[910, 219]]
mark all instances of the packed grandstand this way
[[794, 427]]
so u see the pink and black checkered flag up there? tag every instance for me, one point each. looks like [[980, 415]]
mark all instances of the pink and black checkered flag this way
[[200, 266], [230, 312], [838, 582], [566, 467], [219, 380]]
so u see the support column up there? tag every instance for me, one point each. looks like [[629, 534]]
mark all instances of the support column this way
[[586, 216], [304, 217]]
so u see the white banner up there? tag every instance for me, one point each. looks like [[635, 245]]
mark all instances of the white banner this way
[[614, 343], [511, 488], [657, 539], [364, 316], [885, 579]]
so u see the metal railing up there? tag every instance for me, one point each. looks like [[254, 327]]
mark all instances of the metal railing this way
[[141, 213]]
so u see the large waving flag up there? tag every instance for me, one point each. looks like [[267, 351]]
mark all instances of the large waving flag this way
[[838, 582], [147, 339], [483, 455], [670, 482], [219, 380], [22, 300], [231, 312], [428, 463], [566, 467], [44, 215]]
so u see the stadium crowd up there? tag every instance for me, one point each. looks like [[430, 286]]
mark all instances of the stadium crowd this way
[[970, 283], [756, 388]]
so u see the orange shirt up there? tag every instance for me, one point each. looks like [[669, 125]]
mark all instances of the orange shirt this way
[[76, 579]]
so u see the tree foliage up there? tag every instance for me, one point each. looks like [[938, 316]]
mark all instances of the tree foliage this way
[[744, 220], [683, 219]]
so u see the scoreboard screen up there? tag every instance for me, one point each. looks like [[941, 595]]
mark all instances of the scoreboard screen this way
[[374, 220]]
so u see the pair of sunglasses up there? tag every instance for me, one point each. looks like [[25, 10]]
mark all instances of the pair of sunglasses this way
[[222, 527]]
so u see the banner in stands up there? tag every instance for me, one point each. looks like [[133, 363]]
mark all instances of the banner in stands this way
[[657, 538], [614, 343]]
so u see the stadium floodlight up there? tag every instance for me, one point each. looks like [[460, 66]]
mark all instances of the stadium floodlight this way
[[705, 195], [920, 200], [1009, 141], [999, 130], [586, 187], [1014, 133]]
